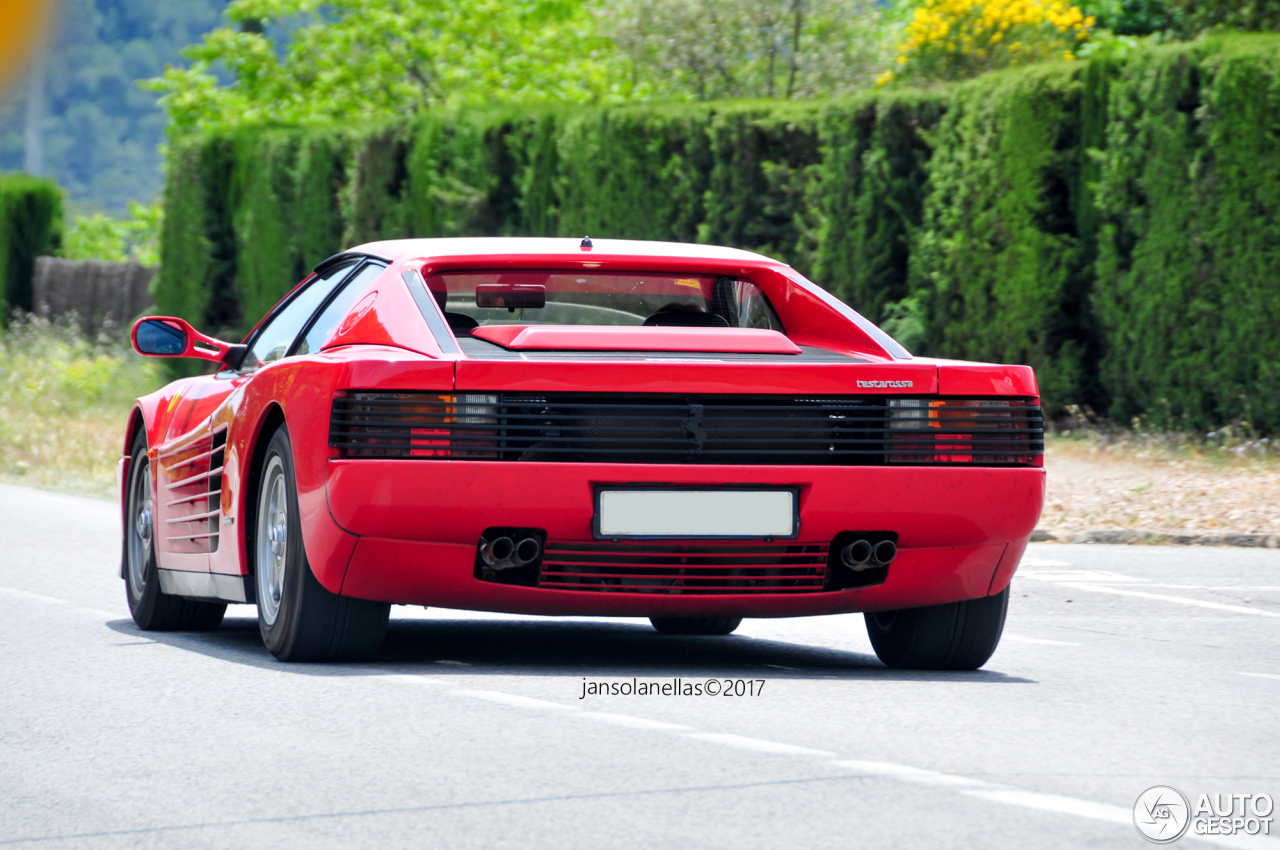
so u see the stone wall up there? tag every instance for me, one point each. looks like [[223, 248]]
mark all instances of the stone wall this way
[[101, 295]]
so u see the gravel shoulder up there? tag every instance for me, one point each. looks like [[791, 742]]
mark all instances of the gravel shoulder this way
[[1094, 487]]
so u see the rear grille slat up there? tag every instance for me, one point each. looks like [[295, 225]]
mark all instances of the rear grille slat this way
[[684, 569], [687, 429]]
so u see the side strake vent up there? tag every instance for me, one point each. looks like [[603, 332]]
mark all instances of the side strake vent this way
[[688, 429], [214, 503], [193, 494], [685, 569]]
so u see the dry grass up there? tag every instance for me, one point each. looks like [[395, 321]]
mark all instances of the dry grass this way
[[1161, 482], [64, 401]]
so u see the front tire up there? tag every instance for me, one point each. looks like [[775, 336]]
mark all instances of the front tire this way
[[153, 609], [299, 619], [955, 636], [695, 625]]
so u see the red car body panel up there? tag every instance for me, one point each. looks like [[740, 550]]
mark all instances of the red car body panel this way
[[417, 544], [406, 531], [587, 338]]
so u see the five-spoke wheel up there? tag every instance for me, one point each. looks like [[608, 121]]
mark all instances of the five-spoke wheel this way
[[299, 618]]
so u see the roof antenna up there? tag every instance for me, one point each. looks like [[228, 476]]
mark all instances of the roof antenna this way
[[586, 243]]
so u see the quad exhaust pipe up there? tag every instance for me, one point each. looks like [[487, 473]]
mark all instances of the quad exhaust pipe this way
[[503, 553], [864, 555]]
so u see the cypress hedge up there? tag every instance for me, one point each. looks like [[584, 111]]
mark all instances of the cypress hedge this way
[[1188, 283], [30, 225], [1111, 223]]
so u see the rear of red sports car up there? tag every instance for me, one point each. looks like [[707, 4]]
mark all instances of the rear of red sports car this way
[[541, 426], [689, 434]]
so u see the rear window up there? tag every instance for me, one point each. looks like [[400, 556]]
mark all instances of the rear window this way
[[612, 298]]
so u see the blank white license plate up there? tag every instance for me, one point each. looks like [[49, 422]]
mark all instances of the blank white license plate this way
[[696, 513]]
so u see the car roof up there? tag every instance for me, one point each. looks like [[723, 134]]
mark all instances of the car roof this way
[[566, 247]]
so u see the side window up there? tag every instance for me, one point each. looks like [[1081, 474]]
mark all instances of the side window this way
[[273, 341], [332, 315], [743, 305]]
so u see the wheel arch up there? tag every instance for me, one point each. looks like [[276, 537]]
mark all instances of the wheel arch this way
[[135, 424], [272, 419]]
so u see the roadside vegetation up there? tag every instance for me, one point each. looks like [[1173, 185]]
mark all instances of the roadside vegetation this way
[[882, 146], [1168, 481], [64, 399], [63, 404]]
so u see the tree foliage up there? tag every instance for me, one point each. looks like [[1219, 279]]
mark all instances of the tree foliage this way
[[1246, 15], [310, 60], [710, 49], [102, 237], [101, 133], [30, 225], [1190, 238]]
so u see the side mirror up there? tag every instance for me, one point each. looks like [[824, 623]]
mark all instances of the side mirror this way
[[166, 336]]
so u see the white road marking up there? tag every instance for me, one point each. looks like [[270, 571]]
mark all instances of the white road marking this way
[[100, 614], [1045, 641], [406, 679], [757, 744], [1233, 589], [1181, 600], [631, 722], [517, 701], [1055, 803], [1083, 575], [968, 786], [910, 774], [34, 597], [976, 788], [1043, 562]]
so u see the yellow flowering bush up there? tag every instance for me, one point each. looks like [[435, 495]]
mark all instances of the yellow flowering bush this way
[[953, 39]]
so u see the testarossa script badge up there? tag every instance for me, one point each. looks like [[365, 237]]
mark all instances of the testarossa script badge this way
[[880, 385]]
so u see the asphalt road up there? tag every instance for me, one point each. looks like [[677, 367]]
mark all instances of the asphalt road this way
[[1121, 668]]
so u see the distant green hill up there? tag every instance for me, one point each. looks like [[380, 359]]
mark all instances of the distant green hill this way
[[101, 132]]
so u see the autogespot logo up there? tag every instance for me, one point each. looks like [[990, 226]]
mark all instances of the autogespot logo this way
[[1161, 814]]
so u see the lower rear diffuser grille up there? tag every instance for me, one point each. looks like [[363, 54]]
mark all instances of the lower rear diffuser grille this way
[[685, 569]]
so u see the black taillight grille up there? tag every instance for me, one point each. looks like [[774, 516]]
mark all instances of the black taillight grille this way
[[687, 429]]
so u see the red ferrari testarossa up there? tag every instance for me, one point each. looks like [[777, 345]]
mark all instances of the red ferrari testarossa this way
[[549, 426]]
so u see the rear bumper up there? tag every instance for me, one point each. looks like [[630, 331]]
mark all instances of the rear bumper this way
[[961, 530]]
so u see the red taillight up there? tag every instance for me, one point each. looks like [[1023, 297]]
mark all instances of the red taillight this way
[[418, 444], [416, 425], [989, 431]]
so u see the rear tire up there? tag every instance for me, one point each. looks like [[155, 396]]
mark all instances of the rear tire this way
[[153, 609], [694, 625], [299, 619], [955, 636]]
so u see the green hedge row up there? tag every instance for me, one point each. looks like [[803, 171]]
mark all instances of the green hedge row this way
[[1111, 223], [30, 225], [1188, 271]]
